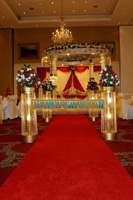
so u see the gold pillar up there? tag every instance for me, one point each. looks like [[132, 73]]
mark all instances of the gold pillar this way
[[91, 69], [53, 73], [109, 60], [47, 113], [29, 128], [103, 60], [108, 114]]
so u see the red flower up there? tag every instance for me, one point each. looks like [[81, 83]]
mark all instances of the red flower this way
[[18, 71], [26, 75]]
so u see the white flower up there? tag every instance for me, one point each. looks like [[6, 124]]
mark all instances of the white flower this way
[[105, 69], [111, 82], [22, 70], [106, 74]]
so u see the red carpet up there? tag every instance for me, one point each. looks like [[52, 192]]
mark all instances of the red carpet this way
[[70, 161]]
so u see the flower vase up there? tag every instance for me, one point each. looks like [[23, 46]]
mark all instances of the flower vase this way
[[47, 113], [93, 113], [108, 113], [29, 129]]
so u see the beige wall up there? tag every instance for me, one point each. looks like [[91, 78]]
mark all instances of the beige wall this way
[[6, 71], [43, 36], [126, 54], [80, 34]]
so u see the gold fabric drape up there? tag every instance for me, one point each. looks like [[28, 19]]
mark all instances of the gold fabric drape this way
[[119, 104]]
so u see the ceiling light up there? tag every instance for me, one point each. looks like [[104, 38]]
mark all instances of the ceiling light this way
[[73, 2], [11, 26], [73, 11], [43, 11], [54, 11], [63, 35], [81, 64], [107, 1], [36, 24], [52, 2], [68, 54], [24, 13], [19, 4], [103, 10], [40, 3], [86, 1], [84, 10], [3, 17], [62, 65], [125, 13]]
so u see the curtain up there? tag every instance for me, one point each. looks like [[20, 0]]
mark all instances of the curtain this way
[[97, 68], [41, 72]]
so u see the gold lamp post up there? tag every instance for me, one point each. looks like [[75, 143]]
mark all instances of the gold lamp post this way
[[108, 114], [29, 129], [47, 113]]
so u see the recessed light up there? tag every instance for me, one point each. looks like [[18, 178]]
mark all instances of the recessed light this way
[[43, 11], [125, 13], [19, 4], [73, 11], [107, 1], [3, 17], [36, 24], [84, 10], [24, 13], [52, 2], [40, 3], [86, 1], [103, 10], [54, 11], [73, 2], [95, 6]]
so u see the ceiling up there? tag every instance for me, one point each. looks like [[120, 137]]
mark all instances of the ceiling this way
[[46, 13]]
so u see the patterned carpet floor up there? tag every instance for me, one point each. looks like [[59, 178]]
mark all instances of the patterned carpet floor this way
[[12, 150]]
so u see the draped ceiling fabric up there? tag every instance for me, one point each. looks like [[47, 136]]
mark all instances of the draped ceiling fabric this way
[[73, 85], [64, 73]]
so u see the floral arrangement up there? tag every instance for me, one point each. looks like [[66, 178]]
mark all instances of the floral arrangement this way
[[27, 77], [107, 77], [47, 85], [92, 84], [96, 45]]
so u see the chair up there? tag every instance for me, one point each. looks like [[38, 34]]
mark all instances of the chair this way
[[124, 109], [11, 111]]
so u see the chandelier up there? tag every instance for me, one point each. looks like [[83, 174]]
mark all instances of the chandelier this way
[[63, 35]]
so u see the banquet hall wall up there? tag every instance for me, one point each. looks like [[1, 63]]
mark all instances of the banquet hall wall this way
[[6, 64], [43, 37]]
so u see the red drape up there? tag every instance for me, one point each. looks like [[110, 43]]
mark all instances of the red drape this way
[[41, 72], [76, 83], [97, 68], [77, 69], [63, 69], [81, 69]]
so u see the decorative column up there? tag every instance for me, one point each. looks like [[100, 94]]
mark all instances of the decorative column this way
[[91, 69], [108, 114], [53, 73], [103, 60], [109, 60]]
